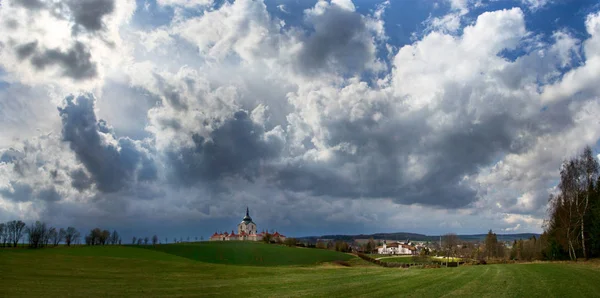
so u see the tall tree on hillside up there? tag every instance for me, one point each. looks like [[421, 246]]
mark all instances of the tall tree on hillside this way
[[594, 221], [491, 244], [570, 175], [15, 230], [71, 235], [154, 240], [589, 169]]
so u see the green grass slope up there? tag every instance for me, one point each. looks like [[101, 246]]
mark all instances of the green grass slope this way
[[250, 253], [136, 272]]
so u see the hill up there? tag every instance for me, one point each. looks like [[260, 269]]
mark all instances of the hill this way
[[416, 237], [250, 253], [135, 272]]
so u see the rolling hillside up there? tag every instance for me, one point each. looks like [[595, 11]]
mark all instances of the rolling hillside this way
[[137, 272], [249, 253]]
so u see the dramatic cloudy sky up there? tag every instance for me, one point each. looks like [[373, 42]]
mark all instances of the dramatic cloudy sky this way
[[329, 116]]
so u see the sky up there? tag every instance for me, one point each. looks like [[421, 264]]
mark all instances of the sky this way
[[170, 117]]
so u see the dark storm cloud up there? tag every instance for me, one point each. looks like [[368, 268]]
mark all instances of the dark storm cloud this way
[[378, 167], [86, 14], [89, 13], [235, 148], [112, 167], [20, 192], [49, 195], [23, 192], [26, 50], [76, 62], [340, 42], [80, 180], [30, 4]]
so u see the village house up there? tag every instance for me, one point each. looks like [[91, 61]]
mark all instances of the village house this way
[[396, 248], [246, 231]]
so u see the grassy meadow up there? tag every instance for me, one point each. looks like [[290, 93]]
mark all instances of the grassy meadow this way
[[174, 271], [250, 253]]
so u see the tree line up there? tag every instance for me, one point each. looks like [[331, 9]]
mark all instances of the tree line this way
[[572, 230], [39, 234]]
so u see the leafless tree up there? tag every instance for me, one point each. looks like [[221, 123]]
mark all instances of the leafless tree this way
[[59, 237], [449, 244], [134, 240], [146, 240], [3, 234], [154, 240], [140, 241], [37, 234], [104, 237], [52, 237], [15, 230], [114, 238], [49, 237], [71, 235]]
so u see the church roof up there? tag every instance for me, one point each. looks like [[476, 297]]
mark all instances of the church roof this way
[[247, 219]]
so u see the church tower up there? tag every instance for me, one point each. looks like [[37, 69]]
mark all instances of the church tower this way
[[247, 226]]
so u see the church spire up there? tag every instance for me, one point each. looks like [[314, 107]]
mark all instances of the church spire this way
[[247, 212]]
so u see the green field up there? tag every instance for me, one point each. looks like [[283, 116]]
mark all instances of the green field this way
[[250, 253], [134, 271], [402, 259]]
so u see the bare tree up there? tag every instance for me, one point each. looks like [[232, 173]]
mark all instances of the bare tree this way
[[146, 240], [139, 241], [104, 237], [114, 238], [53, 236], [3, 234], [449, 244], [154, 240], [37, 234], [133, 241], [49, 237], [71, 235], [15, 230], [166, 240], [59, 237]]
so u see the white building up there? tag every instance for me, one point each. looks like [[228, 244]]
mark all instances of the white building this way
[[396, 248]]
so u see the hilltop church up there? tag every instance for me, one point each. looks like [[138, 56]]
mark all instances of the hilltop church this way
[[246, 231]]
